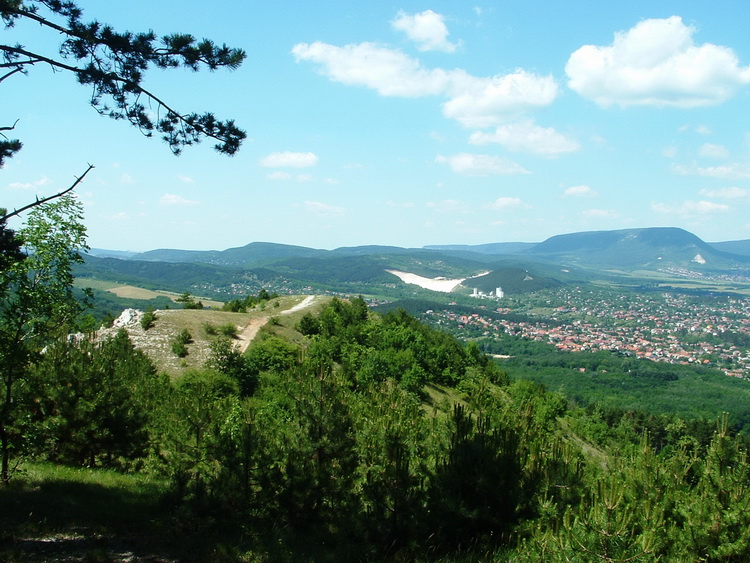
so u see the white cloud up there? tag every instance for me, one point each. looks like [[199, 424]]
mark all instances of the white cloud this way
[[41, 182], [289, 159], [690, 208], [732, 192], [700, 129], [324, 209], [710, 150], [473, 101], [580, 191], [172, 199], [528, 137], [481, 164], [735, 171], [427, 29], [669, 152], [656, 63], [186, 179], [484, 102], [387, 71], [503, 203]]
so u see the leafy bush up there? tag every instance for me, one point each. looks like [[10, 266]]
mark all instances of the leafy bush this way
[[179, 344], [229, 330], [148, 319]]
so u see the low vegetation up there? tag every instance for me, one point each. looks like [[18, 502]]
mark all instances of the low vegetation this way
[[365, 437], [338, 434]]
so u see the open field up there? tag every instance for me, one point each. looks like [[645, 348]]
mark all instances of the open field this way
[[133, 292]]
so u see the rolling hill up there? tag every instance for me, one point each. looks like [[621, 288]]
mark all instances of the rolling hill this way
[[741, 247], [652, 248]]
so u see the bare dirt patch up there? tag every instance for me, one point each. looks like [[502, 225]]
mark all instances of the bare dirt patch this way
[[247, 335]]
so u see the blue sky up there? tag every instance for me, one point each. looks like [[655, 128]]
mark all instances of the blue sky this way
[[410, 124]]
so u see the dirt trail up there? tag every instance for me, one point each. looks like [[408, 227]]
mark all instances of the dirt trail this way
[[251, 330], [306, 302]]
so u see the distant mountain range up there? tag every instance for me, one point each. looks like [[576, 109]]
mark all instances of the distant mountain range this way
[[645, 248], [522, 266]]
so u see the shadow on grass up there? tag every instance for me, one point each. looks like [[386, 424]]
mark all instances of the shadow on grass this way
[[53, 513]]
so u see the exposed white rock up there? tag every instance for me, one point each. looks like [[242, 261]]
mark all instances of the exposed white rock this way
[[128, 317]]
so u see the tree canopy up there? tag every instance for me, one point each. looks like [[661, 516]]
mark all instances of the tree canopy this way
[[113, 65]]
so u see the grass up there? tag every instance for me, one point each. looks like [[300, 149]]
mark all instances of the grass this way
[[57, 513]]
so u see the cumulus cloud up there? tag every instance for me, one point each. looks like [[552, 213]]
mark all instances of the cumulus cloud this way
[[289, 159], [710, 150], [505, 203], [580, 191], [690, 208], [473, 101], [732, 192], [324, 209], [528, 137], [172, 199], [427, 29], [656, 63], [387, 71], [735, 171], [481, 165], [484, 102]]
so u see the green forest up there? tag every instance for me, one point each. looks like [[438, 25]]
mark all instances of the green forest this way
[[344, 435]]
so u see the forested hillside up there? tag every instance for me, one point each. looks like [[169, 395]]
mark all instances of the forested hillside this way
[[350, 435]]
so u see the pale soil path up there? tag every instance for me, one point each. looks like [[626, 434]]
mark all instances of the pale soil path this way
[[306, 302], [251, 330]]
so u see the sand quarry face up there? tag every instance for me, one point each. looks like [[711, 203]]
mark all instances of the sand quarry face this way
[[435, 284]]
